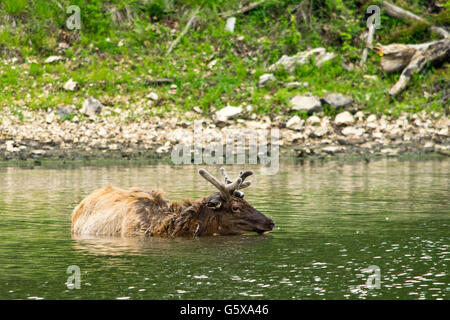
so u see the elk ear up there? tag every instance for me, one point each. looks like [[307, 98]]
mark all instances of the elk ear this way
[[238, 194], [214, 203]]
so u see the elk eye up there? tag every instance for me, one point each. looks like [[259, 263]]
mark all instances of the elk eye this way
[[214, 204], [235, 209]]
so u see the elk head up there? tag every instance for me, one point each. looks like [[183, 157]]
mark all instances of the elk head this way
[[233, 214]]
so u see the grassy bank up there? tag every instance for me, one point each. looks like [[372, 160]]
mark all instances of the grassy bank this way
[[122, 45]]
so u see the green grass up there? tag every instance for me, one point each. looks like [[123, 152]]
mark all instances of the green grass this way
[[14, 7], [123, 43]]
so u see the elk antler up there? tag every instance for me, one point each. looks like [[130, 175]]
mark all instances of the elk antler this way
[[228, 187], [243, 175]]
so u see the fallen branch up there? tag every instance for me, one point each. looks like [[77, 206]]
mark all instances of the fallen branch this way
[[368, 46], [159, 81], [185, 30], [399, 13], [289, 63], [245, 9], [410, 58]]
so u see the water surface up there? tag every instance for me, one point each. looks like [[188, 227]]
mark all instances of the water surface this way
[[333, 220]]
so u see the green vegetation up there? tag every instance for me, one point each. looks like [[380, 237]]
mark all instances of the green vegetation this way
[[122, 44]]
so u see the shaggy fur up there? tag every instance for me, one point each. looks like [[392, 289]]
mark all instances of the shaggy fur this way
[[116, 212]]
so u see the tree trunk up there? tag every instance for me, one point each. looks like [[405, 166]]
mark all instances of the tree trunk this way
[[411, 59], [402, 14]]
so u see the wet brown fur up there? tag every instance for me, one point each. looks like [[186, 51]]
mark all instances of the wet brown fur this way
[[112, 211]]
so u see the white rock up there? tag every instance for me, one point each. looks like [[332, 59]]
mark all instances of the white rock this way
[[70, 85], [197, 110], [65, 111], [313, 120], [443, 132], [372, 118], [322, 58], [359, 115], [295, 123], [49, 118], [320, 131], [230, 24], [9, 145], [53, 59], [377, 135], [331, 149], [352, 131], [113, 146], [370, 77], [153, 96], [296, 84], [338, 100], [289, 63], [265, 78], [63, 45], [38, 152], [212, 64], [389, 151], [102, 132], [91, 107], [309, 104], [440, 148], [228, 113], [344, 118], [395, 133]]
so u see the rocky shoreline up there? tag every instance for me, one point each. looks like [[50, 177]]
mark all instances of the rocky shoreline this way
[[48, 135]]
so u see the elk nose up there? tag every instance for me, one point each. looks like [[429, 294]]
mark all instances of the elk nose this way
[[271, 224]]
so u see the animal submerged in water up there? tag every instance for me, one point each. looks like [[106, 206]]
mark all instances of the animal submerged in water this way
[[112, 211]]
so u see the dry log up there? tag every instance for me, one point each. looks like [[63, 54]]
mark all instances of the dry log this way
[[185, 30], [368, 46], [299, 8], [411, 59], [159, 81], [289, 63], [399, 13], [395, 57], [248, 7]]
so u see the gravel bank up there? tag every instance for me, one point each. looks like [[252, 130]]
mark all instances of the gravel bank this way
[[36, 135]]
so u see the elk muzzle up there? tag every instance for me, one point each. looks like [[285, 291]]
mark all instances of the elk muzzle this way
[[256, 222]]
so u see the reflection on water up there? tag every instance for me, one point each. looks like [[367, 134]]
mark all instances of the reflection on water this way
[[162, 246], [333, 221]]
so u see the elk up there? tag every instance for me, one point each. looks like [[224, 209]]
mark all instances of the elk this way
[[112, 211]]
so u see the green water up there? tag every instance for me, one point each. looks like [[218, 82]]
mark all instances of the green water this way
[[333, 220]]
